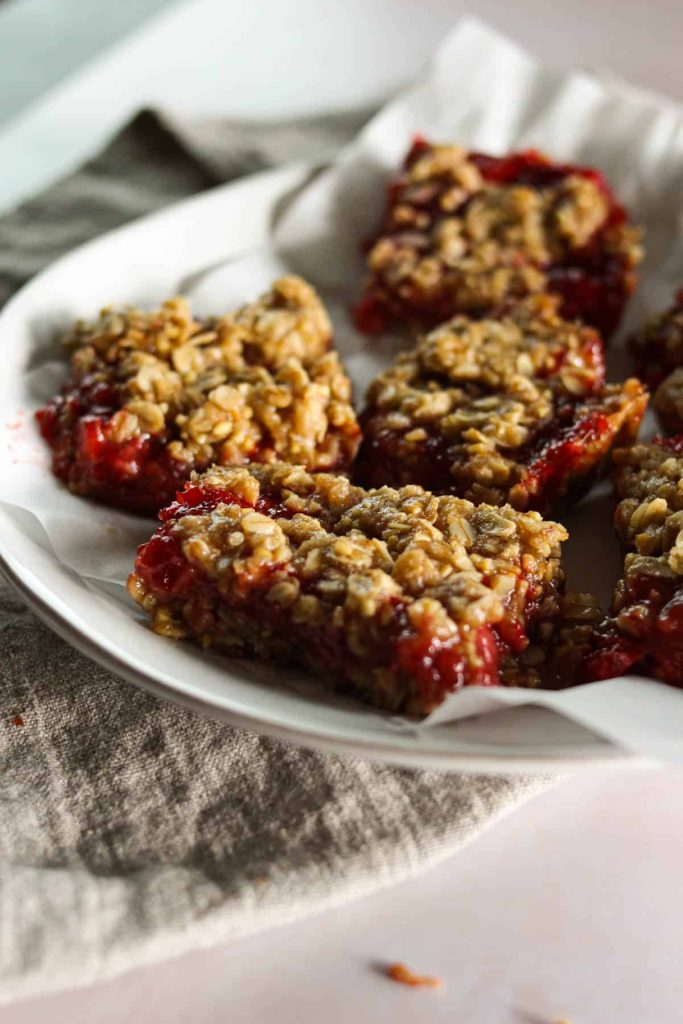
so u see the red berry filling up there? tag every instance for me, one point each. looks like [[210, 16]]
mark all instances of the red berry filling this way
[[673, 444], [437, 664], [164, 567], [197, 500], [556, 458], [136, 474], [658, 347], [560, 460], [594, 280], [650, 635]]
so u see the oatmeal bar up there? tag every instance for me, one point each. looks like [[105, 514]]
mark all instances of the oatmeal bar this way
[[398, 596], [465, 232], [645, 631], [658, 350], [658, 347], [154, 396], [512, 409], [562, 660]]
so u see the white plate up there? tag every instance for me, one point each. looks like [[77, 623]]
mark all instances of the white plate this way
[[143, 263]]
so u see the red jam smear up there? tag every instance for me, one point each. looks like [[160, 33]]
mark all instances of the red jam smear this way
[[556, 453], [512, 634], [137, 475], [654, 642], [613, 656], [591, 356], [673, 444], [655, 357], [556, 461], [161, 561], [592, 282], [439, 665], [164, 567], [197, 500]]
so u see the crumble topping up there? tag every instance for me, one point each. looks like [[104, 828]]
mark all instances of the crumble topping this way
[[464, 232], [362, 586], [264, 374], [495, 410], [646, 627], [261, 383]]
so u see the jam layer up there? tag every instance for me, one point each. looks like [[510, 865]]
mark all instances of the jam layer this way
[[154, 396], [506, 409], [397, 596], [466, 232], [644, 633]]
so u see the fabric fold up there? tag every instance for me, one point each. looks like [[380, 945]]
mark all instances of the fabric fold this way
[[132, 829]]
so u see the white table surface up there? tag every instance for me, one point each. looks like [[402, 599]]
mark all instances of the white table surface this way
[[569, 908], [573, 905]]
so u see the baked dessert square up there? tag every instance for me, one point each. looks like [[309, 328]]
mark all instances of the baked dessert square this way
[[154, 396], [658, 346], [645, 631], [506, 409], [397, 596], [658, 350], [464, 232]]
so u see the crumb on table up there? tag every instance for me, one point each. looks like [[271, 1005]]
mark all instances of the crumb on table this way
[[404, 975]]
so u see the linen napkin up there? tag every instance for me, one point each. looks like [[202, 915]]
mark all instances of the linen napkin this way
[[131, 829]]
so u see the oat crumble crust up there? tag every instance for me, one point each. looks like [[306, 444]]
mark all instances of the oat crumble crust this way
[[658, 346], [658, 351], [512, 409], [171, 393], [464, 232], [399, 596], [645, 630]]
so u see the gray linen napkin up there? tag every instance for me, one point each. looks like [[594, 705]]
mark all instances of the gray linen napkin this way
[[131, 829]]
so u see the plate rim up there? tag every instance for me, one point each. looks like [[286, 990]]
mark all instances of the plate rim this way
[[384, 752]]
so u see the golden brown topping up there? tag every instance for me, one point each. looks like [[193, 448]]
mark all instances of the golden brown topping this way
[[379, 567], [465, 232], [261, 382], [477, 404]]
